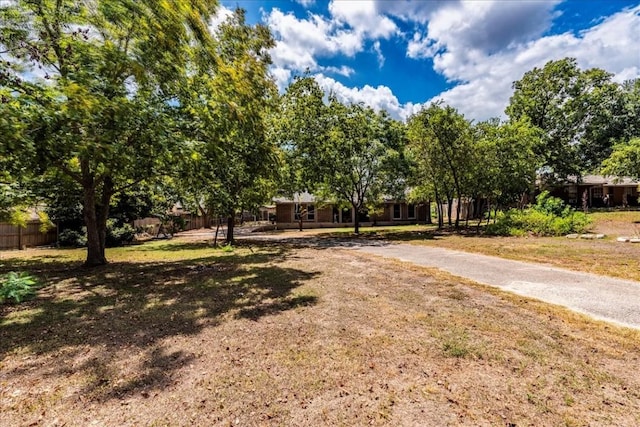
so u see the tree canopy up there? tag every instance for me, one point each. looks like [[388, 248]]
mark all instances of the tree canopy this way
[[90, 84]]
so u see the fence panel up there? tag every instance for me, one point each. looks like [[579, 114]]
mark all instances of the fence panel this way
[[13, 237]]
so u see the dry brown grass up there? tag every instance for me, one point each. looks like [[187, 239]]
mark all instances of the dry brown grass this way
[[182, 334]]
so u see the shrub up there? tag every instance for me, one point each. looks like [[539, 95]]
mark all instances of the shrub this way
[[119, 235], [16, 287], [72, 239], [548, 217]]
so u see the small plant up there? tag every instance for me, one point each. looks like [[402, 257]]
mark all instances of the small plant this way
[[227, 248], [16, 287]]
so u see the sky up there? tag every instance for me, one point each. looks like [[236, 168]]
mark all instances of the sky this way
[[403, 54]]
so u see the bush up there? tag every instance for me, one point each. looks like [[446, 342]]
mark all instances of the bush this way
[[72, 239], [548, 217], [16, 287], [119, 235]]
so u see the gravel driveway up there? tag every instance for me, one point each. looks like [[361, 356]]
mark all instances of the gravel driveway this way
[[601, 297]]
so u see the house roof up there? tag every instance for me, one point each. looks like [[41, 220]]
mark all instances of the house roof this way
[[303, 197], [609, 181]]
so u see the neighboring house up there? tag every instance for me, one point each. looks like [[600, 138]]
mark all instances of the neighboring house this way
[[316, 214], [600, 191]]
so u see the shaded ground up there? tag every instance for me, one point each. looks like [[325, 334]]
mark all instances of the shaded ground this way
[[181, 334]]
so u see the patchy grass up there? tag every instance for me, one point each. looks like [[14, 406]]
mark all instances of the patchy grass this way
[[179, 333], [607, 257]]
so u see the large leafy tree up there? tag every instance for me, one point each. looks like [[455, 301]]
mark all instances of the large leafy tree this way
[[93, 81], [580, 112], [624, 160], [346, 153], [231, 164], [442, 146], [505, 165]]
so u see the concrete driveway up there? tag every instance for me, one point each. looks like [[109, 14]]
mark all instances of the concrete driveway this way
[[601, 297]]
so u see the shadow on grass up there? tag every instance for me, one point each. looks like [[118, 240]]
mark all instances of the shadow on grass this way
[[125, 305]]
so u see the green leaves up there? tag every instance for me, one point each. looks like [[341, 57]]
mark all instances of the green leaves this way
[[580, 113], [624, 160], [16, 287]]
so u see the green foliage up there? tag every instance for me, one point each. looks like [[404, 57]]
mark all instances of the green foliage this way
[[102, 115], [229, 164], [345, 153], [579, 111], [16, 287], [624, 160], [548, 217], [72, 239], [549, 205], [119, 235]]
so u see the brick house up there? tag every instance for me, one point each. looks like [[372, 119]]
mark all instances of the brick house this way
[[317, 214]]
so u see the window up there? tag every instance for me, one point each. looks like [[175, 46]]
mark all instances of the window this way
[[596, 192], [396, 211], [306, 212], [411, 211]]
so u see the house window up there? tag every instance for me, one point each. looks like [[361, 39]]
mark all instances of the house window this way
[[396, 211], [306, 212], [411, 211], [596, 192]]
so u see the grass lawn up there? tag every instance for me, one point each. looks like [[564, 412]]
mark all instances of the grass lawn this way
[[179, 333]]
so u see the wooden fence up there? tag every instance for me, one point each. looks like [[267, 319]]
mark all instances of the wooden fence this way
[[12, 237]]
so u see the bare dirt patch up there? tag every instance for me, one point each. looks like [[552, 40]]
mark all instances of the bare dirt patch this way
[[278, 335]]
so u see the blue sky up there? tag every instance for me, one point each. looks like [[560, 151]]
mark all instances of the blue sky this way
[[399, 55]]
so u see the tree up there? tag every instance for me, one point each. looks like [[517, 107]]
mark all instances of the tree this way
[[505, 162], [231, 163], [580, 113], [624, 160], [345, 153], [98, 107], [440, 139], [361, 160], [299, 126]]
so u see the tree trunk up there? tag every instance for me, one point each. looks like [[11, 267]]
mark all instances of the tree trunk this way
[[356, 220], [95, 214], [429, 212], [95, 243], [230, 225], [449, 209]]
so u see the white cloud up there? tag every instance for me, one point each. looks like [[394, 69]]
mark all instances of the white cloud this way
[[305, 3], [221, 15], [363, 18], [376, 49], [301, 43], [487, 78], [343, 70], [379, 98]]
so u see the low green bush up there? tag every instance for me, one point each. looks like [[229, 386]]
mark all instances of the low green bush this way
[[119, 235], [72, 239], [548, 217], [16, 287]]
